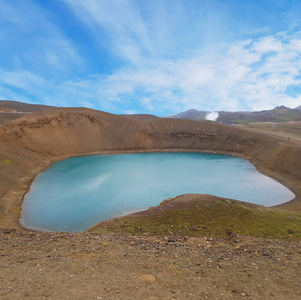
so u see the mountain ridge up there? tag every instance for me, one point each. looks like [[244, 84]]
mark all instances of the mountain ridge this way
[[277, 114], [11, 110]]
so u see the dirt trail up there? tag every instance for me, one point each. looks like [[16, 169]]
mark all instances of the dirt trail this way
[[285, 131], [280, 135]]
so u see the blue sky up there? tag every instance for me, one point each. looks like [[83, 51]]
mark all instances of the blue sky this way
[[151, 56]]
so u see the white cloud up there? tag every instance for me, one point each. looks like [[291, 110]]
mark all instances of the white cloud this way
[[244, 76], [267, 44], [138, 30], [24, 80], [251, 74], [121, 23], [130, 112]]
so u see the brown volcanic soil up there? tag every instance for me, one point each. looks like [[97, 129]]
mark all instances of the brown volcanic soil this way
[[8, 116], [141, 117], [112, 266]]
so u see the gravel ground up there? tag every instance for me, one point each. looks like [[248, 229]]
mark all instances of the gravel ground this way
[[111, 266]]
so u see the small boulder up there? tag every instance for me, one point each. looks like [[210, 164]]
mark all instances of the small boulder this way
[[147, 278]]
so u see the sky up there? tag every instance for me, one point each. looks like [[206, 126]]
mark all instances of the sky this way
[[157, 57]]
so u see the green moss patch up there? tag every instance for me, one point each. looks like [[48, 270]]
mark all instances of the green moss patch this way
[[5, 162], [218, 219]]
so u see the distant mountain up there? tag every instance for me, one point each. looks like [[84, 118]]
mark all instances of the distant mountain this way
[[191, 114], [15, 106], [11, 110], [197, 115], [278, 114]]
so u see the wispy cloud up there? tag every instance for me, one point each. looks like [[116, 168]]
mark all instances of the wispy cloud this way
[[30, 41], [160, 58], [252, 74], [139, 30], [23, 80], [117, 21]]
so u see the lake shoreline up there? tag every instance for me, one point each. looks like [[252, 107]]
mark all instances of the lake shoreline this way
[[279, 177], [228, 176]]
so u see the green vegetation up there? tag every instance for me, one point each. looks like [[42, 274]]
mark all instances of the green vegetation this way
[[219, 219], [241, 121], [5, 162], [19, 211]]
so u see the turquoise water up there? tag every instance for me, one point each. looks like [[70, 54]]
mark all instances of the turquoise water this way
[[77, 193]]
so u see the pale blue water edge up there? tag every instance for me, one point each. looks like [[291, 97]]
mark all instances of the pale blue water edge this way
[[77, 193]]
